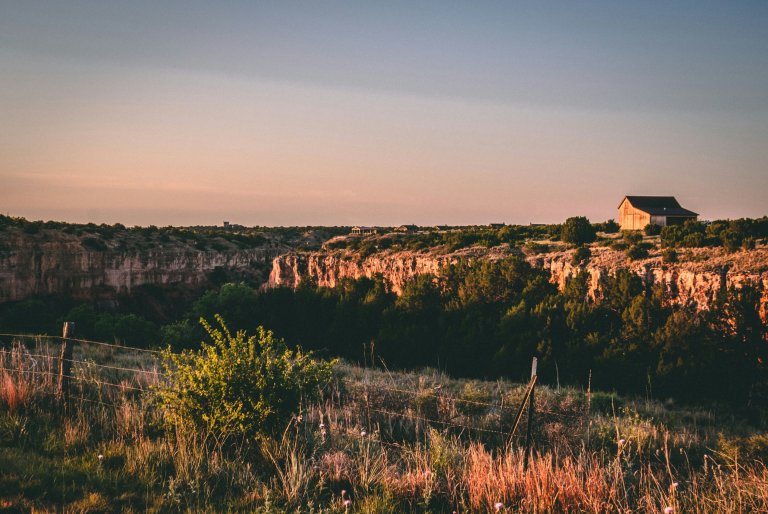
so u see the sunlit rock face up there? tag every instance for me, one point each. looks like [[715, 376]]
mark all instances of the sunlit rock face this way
[[694, 283], [55, 263], [61, 266]]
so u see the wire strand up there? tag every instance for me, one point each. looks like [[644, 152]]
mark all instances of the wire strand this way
[[86, 341], [80, 379], [428, 393], [94, 363], [428, 420]]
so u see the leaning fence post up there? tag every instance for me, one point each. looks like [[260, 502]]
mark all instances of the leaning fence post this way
[[65, 362], [530, 413]]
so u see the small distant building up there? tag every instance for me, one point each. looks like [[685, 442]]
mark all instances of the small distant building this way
[[496, 225], [635, 212], [406, 228], [362, 231], [226, 224]]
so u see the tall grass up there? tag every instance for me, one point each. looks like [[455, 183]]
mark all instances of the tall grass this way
[[444, 451]]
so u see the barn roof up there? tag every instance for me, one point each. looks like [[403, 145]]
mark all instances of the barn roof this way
[[659, 205]]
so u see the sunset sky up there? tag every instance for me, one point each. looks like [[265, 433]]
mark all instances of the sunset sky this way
[[379, 113]]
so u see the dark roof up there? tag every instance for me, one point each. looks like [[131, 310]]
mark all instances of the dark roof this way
[[659, 205]]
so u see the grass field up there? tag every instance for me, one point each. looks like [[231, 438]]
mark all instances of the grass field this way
[[378, 441]]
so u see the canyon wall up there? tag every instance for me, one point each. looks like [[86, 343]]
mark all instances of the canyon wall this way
[[63, 267], [693, 283], [59, 264]]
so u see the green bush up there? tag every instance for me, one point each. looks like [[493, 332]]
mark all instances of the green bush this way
[[669, 255], [652, 229], [577, 230], [581, 255], [732, 240], [94, 243], [608, 227], [636, 252], [632, 237], [239, 385]]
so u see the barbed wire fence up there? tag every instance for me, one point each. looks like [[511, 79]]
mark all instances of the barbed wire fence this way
[[96, 372]]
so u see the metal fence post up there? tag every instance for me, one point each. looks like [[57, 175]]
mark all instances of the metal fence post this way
[[531, 409], [65, 362]]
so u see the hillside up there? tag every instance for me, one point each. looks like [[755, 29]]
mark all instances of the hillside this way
[[100, 262], [374, 442], [694, 281]]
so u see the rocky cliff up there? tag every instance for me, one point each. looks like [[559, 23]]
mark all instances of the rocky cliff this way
[[695, 281], [59, 264]]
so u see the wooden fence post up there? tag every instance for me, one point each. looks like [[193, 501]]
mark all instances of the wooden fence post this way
[[531, 409], [65, 362]]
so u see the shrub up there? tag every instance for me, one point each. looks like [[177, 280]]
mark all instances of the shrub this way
[[731, 240], [632, 237], [94, 243], [669, 255], [618, 245], [748, 243], [536, 248], [609, 227], [581, 255], [577, 230], [652, 229], [636, 252], [694, 240], [238, 384]]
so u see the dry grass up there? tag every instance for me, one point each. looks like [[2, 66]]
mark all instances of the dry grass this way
[[420, 460]]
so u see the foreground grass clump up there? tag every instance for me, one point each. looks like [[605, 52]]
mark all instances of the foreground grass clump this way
[[370, 441]]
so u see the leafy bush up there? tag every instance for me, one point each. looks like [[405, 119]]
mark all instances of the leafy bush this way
[[581, 255], [731, 240], [636, 252], [632, 237], [94, 243], [536, 248], [652, 229], [577, 230], [608, 227], [669, 255], [239, 385]]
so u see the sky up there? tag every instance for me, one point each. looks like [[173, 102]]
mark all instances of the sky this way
[[379, 113]]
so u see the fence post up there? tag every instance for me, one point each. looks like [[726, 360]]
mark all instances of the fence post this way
[[65, 362], [531, 408]]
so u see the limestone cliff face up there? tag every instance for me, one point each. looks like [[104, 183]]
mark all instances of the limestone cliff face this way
[[328, 268], [694, 282], [63, 266]]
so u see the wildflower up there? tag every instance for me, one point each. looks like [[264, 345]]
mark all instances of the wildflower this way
[[674, 485], [668, 510], [101, 457], [343, 493], [322, 426], [347, 503], [498, 506], [622, 442], [363, 433]]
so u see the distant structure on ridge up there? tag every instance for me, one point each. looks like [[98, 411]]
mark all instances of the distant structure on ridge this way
[[635, 212], [364, 230]]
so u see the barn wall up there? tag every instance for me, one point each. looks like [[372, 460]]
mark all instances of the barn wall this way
[[631, 218]]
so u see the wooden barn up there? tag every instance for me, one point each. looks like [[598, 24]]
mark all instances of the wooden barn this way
[[635, 212]]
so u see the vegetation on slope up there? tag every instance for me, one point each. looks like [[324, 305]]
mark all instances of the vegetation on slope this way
[[375, 442]]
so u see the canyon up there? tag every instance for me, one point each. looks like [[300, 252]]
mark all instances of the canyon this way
[[61, 265], [694, 282]]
